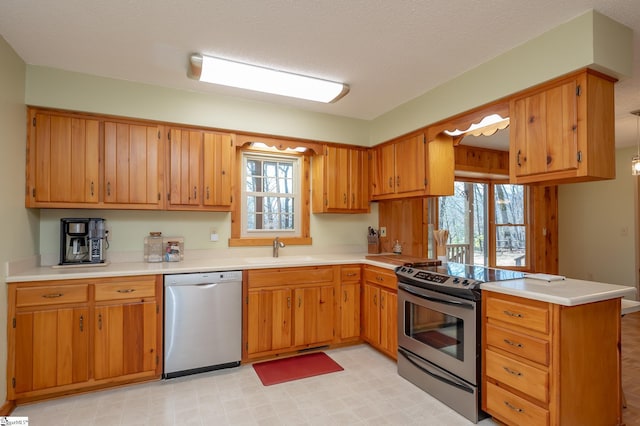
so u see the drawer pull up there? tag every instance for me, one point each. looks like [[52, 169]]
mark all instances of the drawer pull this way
[[513, 372], [514, 408], [513, 314], [126, 290], [379, 278], [516, 344], [351, 274], [52, 295]]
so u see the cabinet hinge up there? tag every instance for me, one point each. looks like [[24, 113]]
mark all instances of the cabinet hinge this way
[[13, 382], [326, 202], [424, 139], [246, 301], [158, 134], [231, 198], [169, 135], [579, 156], [33, 121], [326, 152], [425, 181], [168, 196], [158, 196], [578, 90], [33, 193], [14, 322]]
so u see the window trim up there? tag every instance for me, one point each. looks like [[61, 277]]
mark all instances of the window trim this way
[[304, 238]]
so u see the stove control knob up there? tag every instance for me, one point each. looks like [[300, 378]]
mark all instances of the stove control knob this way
[[465, 282], [456, 280], [410, 271]]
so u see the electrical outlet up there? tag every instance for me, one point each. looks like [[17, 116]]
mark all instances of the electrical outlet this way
[[213, 235], [383, 231]]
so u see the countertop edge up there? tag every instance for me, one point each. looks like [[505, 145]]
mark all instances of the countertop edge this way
[[123, 269], [568, 292]]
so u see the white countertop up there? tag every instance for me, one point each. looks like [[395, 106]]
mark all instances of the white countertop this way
[[205, 264], [567, 292]]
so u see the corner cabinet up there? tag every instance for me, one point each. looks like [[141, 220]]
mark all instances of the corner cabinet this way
[[71, 336], [563, 131], [340, 181], [412, 167], [63, 161], [289, 309], [547, 364], [380, 310], [200, 170]]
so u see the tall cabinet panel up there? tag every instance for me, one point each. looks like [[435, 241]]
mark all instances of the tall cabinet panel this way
[[62, 161]]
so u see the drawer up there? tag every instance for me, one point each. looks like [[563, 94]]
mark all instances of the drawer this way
[[381, 277], [529, 347], [522, 377], [51, 295], [513, 409], [350, 273], [529, 314], [290, 276], [125, 290]]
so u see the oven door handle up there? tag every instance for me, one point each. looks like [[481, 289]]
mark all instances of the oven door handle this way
[[436, 299], [457, 384]]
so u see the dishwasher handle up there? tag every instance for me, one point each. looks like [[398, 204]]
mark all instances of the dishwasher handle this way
[[203, 278]]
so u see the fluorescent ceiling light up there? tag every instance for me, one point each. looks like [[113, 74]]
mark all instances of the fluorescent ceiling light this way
[[251, 77], [487, 126]]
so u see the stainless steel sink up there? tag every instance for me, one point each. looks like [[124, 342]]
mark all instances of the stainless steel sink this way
[[268, 260]]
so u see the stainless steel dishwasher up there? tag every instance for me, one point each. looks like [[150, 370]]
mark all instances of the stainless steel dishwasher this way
[[202, 322]]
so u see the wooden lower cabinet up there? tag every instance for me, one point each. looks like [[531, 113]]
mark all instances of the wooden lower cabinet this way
[[380, 310], [350, 282], [70, 335], [289, 309], [547, 364]]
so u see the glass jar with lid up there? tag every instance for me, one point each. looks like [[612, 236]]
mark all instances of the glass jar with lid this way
[[153, 247]]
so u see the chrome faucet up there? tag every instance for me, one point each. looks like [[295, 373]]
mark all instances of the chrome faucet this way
[[276, 245]]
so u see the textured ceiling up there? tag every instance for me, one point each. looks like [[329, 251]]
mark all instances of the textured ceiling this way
[[388, 51]]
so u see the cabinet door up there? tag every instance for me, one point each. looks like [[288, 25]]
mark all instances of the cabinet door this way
[[410, 163], [544, 137], [64, 162], [52, 349], [268, 320], [132, 164], [314, 315], [371, 313], [218, 161], [386, 163], [350, 310], [185, 151], [337, 177], [389, 321], [125, 339], [358, 180]]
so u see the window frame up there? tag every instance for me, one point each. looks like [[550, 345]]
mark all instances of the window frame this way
[[492, 227], [238, 210]]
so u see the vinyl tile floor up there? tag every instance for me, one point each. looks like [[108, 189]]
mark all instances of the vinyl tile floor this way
[[368, 392]]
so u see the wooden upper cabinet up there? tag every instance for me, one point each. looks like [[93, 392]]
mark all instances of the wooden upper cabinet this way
[[219, 155], [341, 180], [62, 161], [133, 159], [563, 131], [412, 167], [200, 169]]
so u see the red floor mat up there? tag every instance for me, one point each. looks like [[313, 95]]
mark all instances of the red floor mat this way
[[294, 368]]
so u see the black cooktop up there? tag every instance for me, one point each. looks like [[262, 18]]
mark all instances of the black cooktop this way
[[454, 278]]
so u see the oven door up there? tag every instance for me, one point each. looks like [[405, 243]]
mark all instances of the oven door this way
[[439, 328]]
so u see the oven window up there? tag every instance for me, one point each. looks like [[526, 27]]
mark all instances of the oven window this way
[[435, 329]]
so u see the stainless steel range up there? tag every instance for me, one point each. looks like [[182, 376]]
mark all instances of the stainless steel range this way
[[439, 330]]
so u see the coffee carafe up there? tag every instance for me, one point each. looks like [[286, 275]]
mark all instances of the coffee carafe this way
[[82, 241]]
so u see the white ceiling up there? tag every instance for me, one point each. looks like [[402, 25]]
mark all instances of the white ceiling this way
[[388, 51]]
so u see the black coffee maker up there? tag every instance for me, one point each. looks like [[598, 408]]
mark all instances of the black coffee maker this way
[[82, 241]]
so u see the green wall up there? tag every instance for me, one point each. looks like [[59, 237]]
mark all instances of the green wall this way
[[18, 226], [597, 227]]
